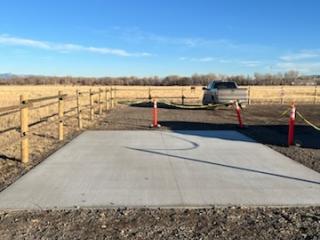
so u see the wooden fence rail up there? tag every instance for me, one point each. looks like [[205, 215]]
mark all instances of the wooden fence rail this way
[[28, 104], [283, 94], [256, 94]]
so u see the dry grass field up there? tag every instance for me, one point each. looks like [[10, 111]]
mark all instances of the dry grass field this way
[[257, 94], [284, 94], [9, 95]]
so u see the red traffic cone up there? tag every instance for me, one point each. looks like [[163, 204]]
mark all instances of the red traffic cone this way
[[292, 120], [155, 123], [238, 110]]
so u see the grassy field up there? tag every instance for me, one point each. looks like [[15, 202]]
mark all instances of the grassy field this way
[[9, 95], [257, 94], [284, 94]]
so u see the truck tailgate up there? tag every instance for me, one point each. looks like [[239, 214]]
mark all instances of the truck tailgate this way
[[229, 95]]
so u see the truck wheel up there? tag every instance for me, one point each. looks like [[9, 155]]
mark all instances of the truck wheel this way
[[204, 102]]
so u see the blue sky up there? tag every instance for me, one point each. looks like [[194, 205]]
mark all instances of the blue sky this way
[[147, 38]]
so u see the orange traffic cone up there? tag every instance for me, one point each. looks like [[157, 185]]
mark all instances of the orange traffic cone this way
[[292, 120], [155, 123], [238, 110]]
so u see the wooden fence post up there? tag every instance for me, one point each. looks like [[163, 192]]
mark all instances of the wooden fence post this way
[[24, 127], [182, 96], [249, 97], [149, 94], [115, 97], [112, 98], [107, 99], [100, 105], [315, 94], [282, 95], [79, 110], [61, 113], [91, 104]]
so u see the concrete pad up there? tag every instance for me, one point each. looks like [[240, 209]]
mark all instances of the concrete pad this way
[[163, 169]]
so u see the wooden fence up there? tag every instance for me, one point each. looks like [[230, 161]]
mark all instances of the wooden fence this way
[[256, 94], [96, 102], [180, 94], [106, 100], [283, 94]]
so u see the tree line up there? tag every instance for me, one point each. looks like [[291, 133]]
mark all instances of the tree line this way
[[288, 78]]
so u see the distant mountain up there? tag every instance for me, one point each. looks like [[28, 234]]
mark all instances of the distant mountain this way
[[6, 75]]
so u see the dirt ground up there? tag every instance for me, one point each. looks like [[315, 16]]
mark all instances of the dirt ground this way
[[263, 123], [214, 223]]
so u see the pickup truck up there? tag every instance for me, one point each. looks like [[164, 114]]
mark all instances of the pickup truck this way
[[224, 92]]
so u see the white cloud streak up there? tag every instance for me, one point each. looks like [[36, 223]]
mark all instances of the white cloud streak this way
[[245, 63], [67, 47], [304, 67], [305, 61], [248, 63], [302, 55], [204, 59], [136, 35]]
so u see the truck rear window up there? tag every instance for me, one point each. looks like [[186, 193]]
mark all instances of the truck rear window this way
[[225, 85]]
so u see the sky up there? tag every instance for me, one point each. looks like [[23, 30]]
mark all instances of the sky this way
[[165, 37]]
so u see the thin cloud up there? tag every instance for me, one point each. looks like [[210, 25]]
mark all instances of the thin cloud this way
[[225, 61], [304, 67], [204, 59], [187, 41], [247, 63], [302, 55], [305, 61], [67, 47], [136, 35], [13, 41]]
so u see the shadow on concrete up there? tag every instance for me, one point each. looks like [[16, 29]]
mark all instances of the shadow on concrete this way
[[193, 145], [305, 136], [255, 171]]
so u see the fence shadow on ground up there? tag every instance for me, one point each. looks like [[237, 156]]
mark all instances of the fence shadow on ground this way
[[305, 136], [6, 157]]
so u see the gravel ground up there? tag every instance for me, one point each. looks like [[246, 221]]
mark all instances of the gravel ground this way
[[215, 223], [262, 124]]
